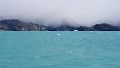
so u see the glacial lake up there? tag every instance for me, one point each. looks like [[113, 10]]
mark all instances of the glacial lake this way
[[60, 49]]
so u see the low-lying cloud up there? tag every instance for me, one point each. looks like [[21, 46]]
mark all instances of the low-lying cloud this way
[[82, 12]]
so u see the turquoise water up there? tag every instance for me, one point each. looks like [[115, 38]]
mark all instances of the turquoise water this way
[[59, 49]]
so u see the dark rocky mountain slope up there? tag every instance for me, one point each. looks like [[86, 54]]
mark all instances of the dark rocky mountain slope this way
[[17, 25]]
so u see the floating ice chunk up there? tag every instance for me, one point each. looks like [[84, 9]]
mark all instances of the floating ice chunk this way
[[75, 30], [58, 34]]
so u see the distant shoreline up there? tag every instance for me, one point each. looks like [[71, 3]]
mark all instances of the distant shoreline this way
[[17, 25]]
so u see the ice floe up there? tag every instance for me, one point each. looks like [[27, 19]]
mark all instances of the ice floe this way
[[58, 34]]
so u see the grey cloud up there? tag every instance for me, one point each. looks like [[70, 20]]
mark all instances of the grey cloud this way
[[85, 12]]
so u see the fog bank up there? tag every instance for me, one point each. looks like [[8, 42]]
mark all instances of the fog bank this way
[[75, 12]]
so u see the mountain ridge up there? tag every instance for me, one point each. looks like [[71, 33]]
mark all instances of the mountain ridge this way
[[17, 25]]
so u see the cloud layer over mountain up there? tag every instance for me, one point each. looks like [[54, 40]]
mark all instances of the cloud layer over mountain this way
[[85, 12]]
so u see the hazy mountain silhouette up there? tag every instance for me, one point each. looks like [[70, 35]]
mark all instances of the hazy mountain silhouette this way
[[17, 25]]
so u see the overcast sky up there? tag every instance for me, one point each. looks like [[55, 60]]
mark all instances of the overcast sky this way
[[77, 11]]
